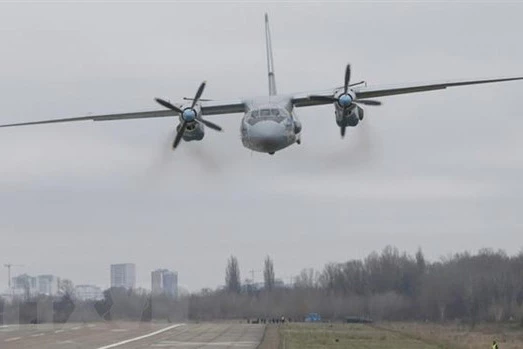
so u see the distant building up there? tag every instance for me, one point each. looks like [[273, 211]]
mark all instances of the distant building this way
[[164, 281], [24, 285], [88, 292], [48, 285], [123, 275], [30, 286]]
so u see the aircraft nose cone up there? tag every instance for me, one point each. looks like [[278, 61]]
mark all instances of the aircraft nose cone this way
[[269, 135]]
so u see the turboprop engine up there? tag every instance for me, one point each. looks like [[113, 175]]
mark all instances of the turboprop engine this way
[[191, 121], [349, 117], [347, 104]]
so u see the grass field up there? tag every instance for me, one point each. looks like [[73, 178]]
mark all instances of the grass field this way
[[337, 336], [458, 336], [396, 336]]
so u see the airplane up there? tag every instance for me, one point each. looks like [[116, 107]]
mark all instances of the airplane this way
[[269, 122]]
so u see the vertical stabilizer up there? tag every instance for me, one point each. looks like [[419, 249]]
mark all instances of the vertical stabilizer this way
[[270, 62]]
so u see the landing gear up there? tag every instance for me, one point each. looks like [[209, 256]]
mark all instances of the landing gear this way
[[298, 141], [271, 153]]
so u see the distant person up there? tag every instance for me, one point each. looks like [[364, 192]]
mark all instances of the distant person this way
[[495, 345]]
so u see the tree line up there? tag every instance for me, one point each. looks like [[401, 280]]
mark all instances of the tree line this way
[[386, 285]]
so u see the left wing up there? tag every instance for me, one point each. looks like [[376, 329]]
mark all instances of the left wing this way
[[302, 99], [208, 108]]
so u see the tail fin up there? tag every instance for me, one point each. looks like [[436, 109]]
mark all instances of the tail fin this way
[[270, 63]]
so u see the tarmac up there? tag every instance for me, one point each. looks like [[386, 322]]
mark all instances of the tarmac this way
[[126, 335]]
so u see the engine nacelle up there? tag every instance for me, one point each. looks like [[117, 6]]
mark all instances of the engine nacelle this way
[[349, 117], [194, 131]]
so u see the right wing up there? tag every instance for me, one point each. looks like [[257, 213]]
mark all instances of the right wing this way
[[381, 91], [302, 99], [208, 108]]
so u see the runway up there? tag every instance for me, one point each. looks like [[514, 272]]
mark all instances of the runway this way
[[123, 335]]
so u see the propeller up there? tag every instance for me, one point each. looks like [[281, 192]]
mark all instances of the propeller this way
[[345, 100], [188, 115]]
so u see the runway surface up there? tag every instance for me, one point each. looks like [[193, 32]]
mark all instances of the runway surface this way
[[132, 336]]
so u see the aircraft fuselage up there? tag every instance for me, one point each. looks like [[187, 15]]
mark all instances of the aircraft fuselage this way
[[269, 126]]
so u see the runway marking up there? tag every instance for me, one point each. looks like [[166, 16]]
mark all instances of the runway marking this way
[[37, 335], [76, 328], [202, 344], [119, 330], [12, 339], [91, 325], [141, 337], [59, 331]]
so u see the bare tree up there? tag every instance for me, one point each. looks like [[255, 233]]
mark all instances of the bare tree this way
[[308, 278], [65, 286], [268, 274], [232, 275]]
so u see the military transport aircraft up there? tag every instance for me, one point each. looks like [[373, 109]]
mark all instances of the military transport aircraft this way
[[269, 123]]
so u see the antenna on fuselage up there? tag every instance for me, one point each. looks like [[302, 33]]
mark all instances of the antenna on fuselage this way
[[270, 61]]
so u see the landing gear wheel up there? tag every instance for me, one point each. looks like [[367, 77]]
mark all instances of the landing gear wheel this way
[[271, 153]]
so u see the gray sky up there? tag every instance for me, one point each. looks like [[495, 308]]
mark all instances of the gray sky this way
[[438, 170]]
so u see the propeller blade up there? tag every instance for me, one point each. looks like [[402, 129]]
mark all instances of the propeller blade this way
[[358, 83], [201, 99], [342, 131], [179, 135], [347, 79], [368, 102], [323, 99], [198, 94], [210, 124], [168, 105]]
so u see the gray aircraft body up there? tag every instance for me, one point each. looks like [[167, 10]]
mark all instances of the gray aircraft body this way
[[269, 123]]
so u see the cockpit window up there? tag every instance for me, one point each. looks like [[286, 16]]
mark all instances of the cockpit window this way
[[266, 112], [273, 114]]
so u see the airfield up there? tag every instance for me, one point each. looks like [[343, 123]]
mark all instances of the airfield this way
[[131, 336]]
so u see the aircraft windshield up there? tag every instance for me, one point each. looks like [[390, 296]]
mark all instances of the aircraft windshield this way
[[266, 114]]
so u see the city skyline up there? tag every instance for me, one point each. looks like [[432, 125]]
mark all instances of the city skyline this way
[[147, 285], [143, 280], [36, 283]]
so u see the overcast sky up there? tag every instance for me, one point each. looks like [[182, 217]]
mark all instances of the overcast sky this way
[[439, 170]]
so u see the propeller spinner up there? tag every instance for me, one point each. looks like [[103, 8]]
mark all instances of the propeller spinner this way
[[188, 115]]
